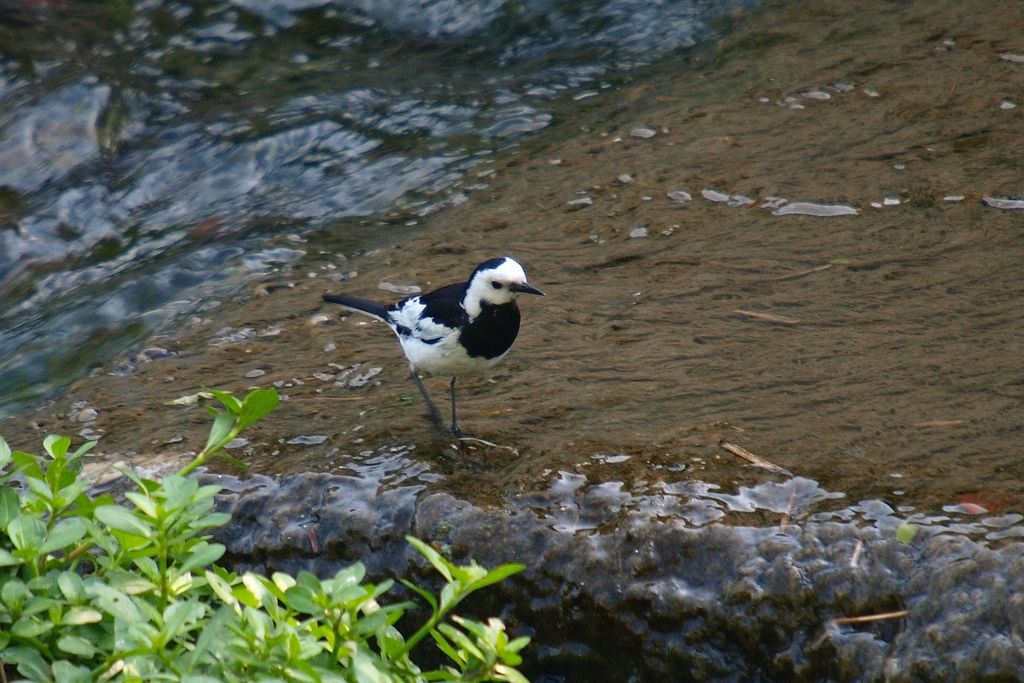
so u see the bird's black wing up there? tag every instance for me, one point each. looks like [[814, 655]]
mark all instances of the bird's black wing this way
[[444, 305]]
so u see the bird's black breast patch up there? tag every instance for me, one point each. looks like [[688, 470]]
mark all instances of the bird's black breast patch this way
[[492, 332]]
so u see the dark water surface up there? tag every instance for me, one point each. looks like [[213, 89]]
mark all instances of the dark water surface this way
[[154, 155]]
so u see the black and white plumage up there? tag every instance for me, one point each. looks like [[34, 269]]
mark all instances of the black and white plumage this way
[[459, 330]]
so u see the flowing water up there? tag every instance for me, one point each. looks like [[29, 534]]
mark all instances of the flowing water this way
[[156, 154]]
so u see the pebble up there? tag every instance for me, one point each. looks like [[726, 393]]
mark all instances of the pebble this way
[[624, 178], [679, 196], [238, 442], [1007, 104], [579, 203], [253, 374], [816, 94], [87, 415], [329, 346], [643, 133], [891, 201], [1003, 202], [177, 438], [871, 93], [1014, 57], [810, 209], [638, 232], [954, 198], [307, 440], [714, 195], [323, 376], [404, 290], [772, 202]]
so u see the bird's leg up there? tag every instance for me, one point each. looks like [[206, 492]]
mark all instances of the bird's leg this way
[[435, 416], [456, 432]]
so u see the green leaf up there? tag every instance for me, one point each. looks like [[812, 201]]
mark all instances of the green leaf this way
[[446, 647], [221, 430], [26, 532], [497, 574], [66, 672], [30, 627], [114, 602], [14, 593], [120, 518], [442, 565], [144, 503], [905, 532], [426, 595], [9, 505], [80, 615], [256, 406], [83, 449], [71, 586], [233, 405], [221, 587], [76, 645], [29, 662], [203, 555], [7, 559], [5, 453], [66, 532], [56, 446], [178, 614], [300, 599]]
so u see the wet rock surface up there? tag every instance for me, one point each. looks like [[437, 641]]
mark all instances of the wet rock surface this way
[[668, 586]]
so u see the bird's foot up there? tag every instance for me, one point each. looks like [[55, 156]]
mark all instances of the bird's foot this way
[[458, 433]]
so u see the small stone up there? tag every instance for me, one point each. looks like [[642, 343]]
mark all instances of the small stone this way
[[555, 162], [816, 94], [638, 232], [402, 290], [323, 376], [579, 203], [954, 198], [239, 442], [253, 374], [1014, 57], [1007, 104], [329, 346], [643, 133], [624, 178], [307, 440], [679, 196], [891, 201], [177, 438], [871, 93], [87, 415]]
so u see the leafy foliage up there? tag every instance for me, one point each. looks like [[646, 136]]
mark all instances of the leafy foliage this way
[[95, 590]]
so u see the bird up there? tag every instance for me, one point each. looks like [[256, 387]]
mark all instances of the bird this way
[[459, 330]]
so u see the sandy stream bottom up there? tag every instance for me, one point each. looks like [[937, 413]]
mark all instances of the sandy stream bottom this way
[[897, 367]]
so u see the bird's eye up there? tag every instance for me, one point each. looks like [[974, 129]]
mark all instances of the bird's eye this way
[[496, 285]]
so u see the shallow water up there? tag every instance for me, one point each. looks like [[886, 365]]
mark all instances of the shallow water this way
[[156, 154]]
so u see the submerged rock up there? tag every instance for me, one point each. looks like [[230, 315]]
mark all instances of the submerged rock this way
[[658, 576]]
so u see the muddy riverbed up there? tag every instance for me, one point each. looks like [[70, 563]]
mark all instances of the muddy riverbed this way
[[875, 353]]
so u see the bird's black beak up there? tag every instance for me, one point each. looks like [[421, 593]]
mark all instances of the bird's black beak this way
[[525, 288]]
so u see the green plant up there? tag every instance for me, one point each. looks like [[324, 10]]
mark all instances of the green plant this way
[[94, 590]]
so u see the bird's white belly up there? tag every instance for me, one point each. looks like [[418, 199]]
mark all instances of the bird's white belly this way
[[445, 358]]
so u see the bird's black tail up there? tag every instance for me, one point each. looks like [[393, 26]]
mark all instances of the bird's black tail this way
[[360, 305]]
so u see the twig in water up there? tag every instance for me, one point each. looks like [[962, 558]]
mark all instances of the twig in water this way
[[488, 443], [754, 460], [768, 317], [867, 618], [857, 550], [793, 276], [938, 423]]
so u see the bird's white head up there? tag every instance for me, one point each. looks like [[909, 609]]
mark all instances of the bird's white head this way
[[495, 282]]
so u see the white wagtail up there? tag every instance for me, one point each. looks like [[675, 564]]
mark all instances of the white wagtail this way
[[457, 331]]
